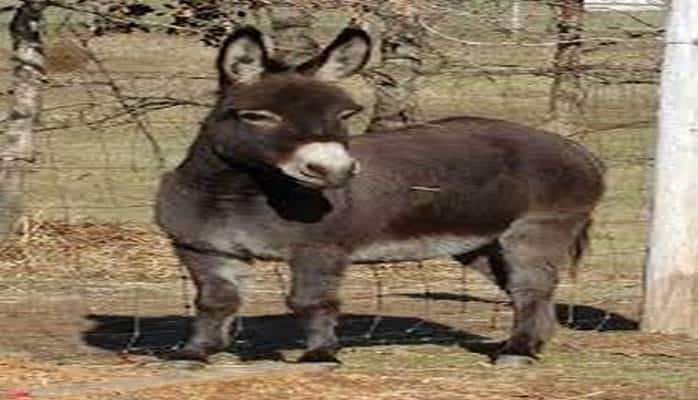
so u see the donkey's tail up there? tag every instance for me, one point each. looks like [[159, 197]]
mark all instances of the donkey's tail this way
[[579, 247]]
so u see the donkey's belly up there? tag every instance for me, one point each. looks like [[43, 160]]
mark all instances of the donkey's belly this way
[[421, 248]]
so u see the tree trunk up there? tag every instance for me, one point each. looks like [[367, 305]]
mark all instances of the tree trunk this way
[[566, 94], [395, 79], [516, 15], [17, 145], [671, 276]]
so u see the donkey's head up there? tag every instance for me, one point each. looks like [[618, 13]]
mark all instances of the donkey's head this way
[[289, 118]]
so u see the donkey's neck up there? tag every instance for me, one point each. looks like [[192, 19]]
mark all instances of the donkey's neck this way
[[206, 171]]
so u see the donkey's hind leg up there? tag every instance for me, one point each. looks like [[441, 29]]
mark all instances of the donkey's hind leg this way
[[221, 284], [533, 248]]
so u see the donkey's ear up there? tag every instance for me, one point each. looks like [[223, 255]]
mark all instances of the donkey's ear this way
[[242, 57], [345, 56]]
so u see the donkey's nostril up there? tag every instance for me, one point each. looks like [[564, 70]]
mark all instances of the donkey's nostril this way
[[316, 169]]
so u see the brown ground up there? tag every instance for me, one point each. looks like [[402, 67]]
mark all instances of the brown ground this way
[[64, 334], [384, 372]]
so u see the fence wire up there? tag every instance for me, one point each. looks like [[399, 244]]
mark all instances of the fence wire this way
[[89, 272]]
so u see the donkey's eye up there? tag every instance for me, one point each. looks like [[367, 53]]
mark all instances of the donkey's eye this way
[[261, 118], [349, 112]]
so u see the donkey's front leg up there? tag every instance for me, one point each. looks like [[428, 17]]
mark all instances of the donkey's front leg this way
[[222, 283], [316, 277]]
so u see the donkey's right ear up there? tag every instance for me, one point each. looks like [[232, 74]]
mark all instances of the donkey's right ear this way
[[242, 57]]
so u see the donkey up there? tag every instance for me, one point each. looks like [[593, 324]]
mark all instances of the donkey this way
[[273, 175]]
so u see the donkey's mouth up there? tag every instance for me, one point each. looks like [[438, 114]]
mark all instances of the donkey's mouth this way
[[311, 180]]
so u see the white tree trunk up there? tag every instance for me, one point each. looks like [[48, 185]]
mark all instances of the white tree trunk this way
[[16, 143], [516, 15], [671, 278]]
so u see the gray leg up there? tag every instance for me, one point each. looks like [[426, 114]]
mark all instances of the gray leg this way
[[531, 288], [316, 277], [533, 248], [221, 285]]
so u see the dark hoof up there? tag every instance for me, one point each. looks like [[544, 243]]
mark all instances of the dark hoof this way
[[319, 355], [513, 360], [185, 354]]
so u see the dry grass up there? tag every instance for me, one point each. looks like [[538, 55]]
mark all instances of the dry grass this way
[[89, 250], [442, 380], [356, 386], [23, 372]]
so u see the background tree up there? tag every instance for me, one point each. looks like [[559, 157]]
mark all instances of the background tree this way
[[17, 144], [567, 91], [400, 41]]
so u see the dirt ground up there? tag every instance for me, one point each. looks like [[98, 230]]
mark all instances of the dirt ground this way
[[410, 331], [478, 381], [591, 365]]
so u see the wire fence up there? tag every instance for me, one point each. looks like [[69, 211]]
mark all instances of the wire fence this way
[[120, 108]]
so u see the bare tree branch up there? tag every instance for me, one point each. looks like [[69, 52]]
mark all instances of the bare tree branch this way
[[107, 16], [442, 35], [130, 110]]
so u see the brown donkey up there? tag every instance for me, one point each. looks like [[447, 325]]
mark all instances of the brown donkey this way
[[273, 175]]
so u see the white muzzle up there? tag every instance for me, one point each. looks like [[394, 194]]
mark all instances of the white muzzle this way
[[321, 164]]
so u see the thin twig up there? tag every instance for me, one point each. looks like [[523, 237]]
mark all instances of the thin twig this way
[[117, 92], [142, 109], [425, 188], [7, 9], [442, 35], [584, 396]]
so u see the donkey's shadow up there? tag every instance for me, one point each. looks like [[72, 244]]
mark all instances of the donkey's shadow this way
[[263, 337], [572, 316]]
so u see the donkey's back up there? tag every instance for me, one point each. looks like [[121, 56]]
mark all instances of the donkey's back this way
[[468, 154]]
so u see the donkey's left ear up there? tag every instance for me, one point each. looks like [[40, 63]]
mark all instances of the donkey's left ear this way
[[345, 56]]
